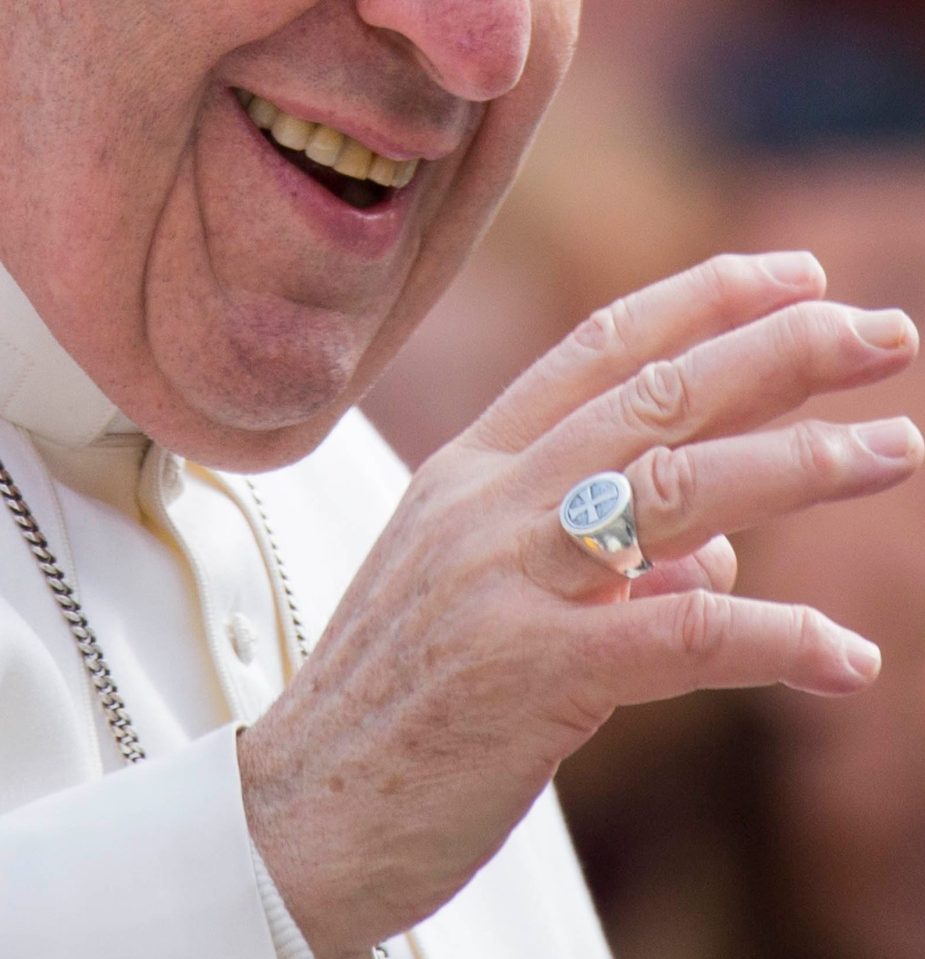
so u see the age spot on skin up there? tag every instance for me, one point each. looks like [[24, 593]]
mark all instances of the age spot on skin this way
[[392, 785]]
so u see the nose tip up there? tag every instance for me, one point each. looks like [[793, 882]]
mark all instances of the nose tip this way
[[475, 49], [478, 55]]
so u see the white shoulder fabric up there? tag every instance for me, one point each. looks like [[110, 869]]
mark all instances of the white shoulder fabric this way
[[41, 387]]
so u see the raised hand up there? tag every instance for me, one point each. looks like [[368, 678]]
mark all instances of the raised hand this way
[[479, 646]]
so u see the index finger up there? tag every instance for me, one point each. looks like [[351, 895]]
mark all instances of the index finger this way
[[658, 322]]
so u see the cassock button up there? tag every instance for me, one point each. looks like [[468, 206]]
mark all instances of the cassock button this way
[[172, 476], [243, 636]]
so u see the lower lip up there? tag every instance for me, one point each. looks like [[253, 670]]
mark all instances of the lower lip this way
[[369, 233]]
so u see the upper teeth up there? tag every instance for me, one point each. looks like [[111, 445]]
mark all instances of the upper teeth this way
[[327, 146]]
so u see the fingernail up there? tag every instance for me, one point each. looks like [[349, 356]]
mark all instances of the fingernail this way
[[794, 268], [885, 329], [890, 438], [863, 656]]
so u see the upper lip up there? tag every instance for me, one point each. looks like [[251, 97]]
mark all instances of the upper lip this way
[[384, 138]]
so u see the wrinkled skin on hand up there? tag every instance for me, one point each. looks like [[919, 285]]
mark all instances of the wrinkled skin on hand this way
[[478, 646]]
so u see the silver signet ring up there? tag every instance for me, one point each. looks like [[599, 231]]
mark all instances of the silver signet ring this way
[[598, 515]]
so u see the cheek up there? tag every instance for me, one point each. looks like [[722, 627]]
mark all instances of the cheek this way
[[555, 32], [243, 358], [220, 26]]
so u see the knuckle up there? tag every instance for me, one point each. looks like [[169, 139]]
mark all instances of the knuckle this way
[[658, 397], [605, 330], [442, 481], [619, 322], [803, 327], [427, 483], [816, 451], [721, 279], [809, 634], [702, 622], [719, 564], [793, 348], [531, 557], [793, 331], [672, 488], [499, 429], [806, 626]]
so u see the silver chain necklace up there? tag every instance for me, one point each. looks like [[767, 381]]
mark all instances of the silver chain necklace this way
[[107, 693], [117, 717]]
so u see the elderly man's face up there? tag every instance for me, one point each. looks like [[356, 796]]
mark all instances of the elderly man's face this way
[[230, 294]]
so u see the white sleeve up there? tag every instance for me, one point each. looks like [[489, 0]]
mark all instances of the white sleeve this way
[[150, 862], [288, 940]]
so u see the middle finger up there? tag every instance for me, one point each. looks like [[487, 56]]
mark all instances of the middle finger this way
[[731, 384]]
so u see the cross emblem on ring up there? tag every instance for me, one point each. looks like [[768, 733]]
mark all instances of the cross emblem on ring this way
[[592, 503]]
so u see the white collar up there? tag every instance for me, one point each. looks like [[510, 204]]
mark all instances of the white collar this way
[[42, 388]]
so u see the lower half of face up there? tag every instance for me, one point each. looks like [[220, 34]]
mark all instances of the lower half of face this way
[[234, 232], [235, 306], [264, 287]]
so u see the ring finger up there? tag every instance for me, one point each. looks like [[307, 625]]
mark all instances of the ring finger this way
[[686, 496]]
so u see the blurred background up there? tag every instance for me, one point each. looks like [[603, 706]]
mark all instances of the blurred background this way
[[759, 825]]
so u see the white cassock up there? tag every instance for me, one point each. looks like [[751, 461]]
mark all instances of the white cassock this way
[[177, 578]]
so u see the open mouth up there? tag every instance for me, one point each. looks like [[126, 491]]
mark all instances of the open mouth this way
[[343, 166]]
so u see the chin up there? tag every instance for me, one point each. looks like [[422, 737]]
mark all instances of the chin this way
[[262, 369], [270, 403], [238, 417], [235, 447]]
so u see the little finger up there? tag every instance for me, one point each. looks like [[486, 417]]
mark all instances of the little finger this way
[[665, 646]]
